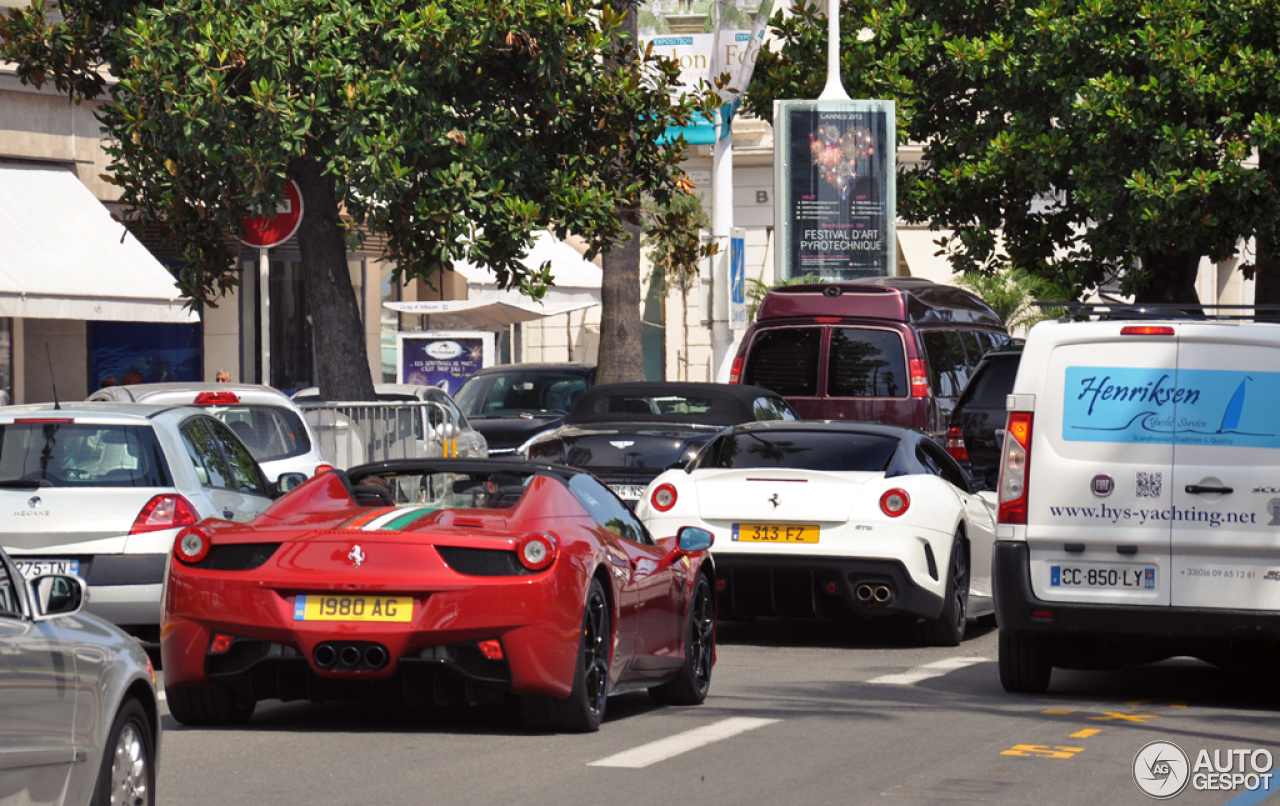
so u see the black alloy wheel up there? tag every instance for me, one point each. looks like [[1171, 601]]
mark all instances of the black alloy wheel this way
[[583, 710], [948, 629], [693, 681]]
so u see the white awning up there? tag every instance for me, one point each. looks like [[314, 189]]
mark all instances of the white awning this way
[[918, 248], [62, 255], [481, 313]]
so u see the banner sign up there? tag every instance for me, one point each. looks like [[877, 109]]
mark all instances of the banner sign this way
[[442, 358], [738, 280], [834, 174]]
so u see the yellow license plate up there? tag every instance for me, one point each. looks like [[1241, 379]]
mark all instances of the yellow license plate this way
[[353, 608], [774, 533]]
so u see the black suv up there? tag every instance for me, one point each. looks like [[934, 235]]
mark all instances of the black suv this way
[[977, 422]]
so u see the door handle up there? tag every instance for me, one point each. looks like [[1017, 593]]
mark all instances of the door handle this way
[[1198, 489]]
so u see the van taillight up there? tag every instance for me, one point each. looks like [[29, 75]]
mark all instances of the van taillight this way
[[735, 372], [919, 379], [1146, 330], [955, 444], [1015, 464]]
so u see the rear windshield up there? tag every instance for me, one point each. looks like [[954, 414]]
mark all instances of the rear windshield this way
[[510, 394], [269, 432], [993, 384], [76, 455], [785, 360], [866, 363], [801, 450]]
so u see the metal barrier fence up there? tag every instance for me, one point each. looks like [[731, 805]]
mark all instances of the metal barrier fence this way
[[357, 432]]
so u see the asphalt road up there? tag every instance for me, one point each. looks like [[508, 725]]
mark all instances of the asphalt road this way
[[799, 713]]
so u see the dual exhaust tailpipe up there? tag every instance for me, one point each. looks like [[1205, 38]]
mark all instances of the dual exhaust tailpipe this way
[[351, 656], [873, 594]]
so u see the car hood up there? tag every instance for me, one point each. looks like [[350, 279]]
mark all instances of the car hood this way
[[509, 433]]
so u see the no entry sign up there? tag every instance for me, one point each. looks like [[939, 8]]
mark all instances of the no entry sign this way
[[273, 230]]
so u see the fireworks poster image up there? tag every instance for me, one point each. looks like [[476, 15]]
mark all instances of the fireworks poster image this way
[[834, 163], [442, 358]]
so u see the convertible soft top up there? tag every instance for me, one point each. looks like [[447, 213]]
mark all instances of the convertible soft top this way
[[716, 403]]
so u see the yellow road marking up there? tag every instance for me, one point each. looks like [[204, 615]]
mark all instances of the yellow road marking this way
[[1041, 751], [1136, 703], [1086, 733], [1177, 705], [1109, 715], [1058, 711]]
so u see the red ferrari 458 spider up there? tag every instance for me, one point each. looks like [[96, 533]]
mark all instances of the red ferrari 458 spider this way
[[438, 580]]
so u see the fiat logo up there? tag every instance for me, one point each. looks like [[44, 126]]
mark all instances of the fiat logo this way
[[1103, 485]]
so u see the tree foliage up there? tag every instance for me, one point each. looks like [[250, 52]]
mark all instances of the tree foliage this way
[[1092, 134], [452, 131]]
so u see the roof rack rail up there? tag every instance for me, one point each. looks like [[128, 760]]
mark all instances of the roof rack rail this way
[[1101, 311]]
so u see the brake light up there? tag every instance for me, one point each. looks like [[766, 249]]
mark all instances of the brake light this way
[[919, 379], [322, 469], [216, 399], [1015, 463], [895, 502], [955, 444], [1146, 330], [735, 371], [826, 320], [164, 512], [536, 552], [192, 545], [221, 643], [44, 420], [664, 497], [491, 649]]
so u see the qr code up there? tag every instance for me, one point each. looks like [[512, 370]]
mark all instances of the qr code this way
[[1149, 485]]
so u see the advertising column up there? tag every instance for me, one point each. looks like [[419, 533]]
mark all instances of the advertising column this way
[[834, 170]]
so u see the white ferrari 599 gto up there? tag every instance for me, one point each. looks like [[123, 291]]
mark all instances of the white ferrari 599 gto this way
[[835, 520]]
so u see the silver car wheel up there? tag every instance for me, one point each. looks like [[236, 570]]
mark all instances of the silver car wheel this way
[[129, 769]]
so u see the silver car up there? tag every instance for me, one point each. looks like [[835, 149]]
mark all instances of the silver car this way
[[100, 491], [79, 721]]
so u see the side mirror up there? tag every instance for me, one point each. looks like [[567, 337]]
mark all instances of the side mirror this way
[[693, 538], [57, 595], [287, 482]]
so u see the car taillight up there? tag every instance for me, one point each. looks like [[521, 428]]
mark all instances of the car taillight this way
[[536, 552], [919, 378], [955, 444], [663, 498], [216, 399], [1015, 463], [1146, 330], [322, 469], [220, 643], [735, 371], [895, 502], [491, 649], [192, 545], [164, 512]]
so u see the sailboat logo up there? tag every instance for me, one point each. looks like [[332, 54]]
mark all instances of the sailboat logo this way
[[1231, 417]]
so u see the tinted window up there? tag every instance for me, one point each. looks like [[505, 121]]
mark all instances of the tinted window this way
[[205, 455], [866, 363], [785, 360], [772, 408], [948, 372], [269, 432], [972, 348], [651, 404], [994, 384], [607, 509], [939, 464], [803, 450], [82, 455], [244, 471], [507, 394]]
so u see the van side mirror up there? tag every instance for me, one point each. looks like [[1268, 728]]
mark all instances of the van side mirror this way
[[56, 595], [287, 482]]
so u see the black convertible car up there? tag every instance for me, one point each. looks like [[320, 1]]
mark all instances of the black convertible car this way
[[628, 433]]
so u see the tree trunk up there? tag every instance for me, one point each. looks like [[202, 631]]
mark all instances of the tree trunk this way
[[1171, 279], [621, 355], [1266, 288], [342, 364]]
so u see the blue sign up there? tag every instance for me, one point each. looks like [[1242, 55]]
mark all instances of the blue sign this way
[[737, 283], [441, 361], [1171, 407]]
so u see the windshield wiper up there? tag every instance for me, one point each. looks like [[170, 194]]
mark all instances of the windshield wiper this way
[[25, 484]]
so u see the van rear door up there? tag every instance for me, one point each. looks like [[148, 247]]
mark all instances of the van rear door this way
[[1100, 467], [1225, 492]]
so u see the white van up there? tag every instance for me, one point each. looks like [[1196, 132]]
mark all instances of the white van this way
[[1139, 497]]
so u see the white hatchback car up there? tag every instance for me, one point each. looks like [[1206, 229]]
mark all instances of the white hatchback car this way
[[265, 419], [100, 491]]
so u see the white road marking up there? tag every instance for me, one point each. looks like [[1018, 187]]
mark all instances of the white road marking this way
[[160, 695], [935, 669], [663, 749]]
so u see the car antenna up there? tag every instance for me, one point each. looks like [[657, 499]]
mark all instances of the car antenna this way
[[52, 382]]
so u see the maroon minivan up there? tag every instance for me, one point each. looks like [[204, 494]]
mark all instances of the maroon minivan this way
[[895, 350]]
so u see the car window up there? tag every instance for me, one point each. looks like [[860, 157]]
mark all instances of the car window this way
[[509, 394], [269, 432], [772, 408], [785, 360], [58, 453], [948, 372], [992, 387], [940, 464], [803, 450], [607, 509], [973, 350], [9, 602], [245, 475], [205, 456], [866, 363]]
